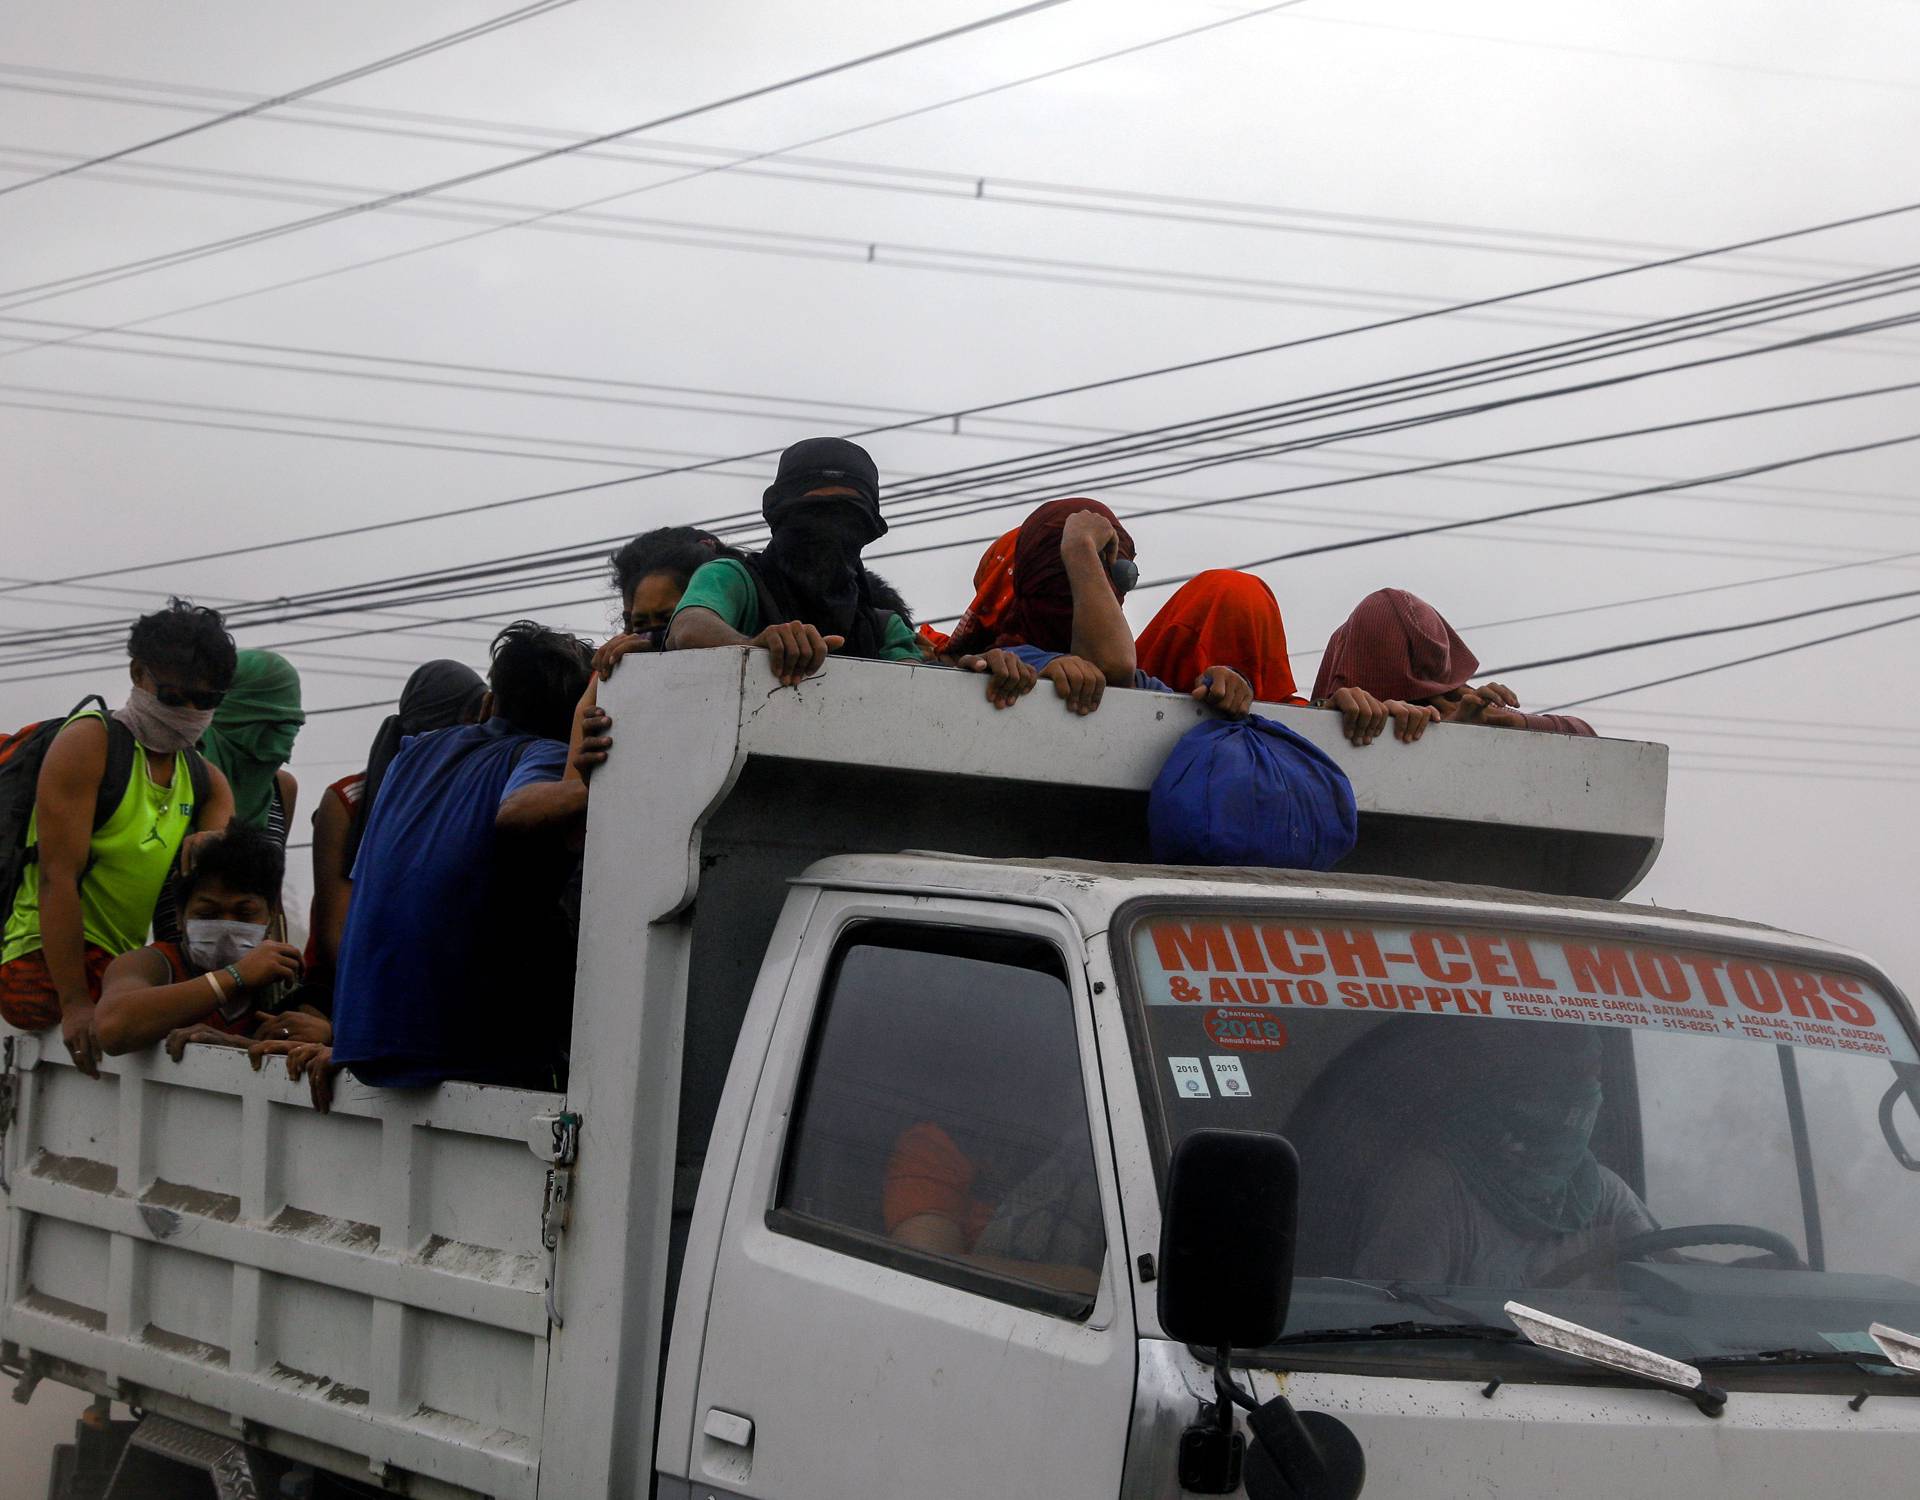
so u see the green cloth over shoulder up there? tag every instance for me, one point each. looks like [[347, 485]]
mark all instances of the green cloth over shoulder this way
[[726, 587]]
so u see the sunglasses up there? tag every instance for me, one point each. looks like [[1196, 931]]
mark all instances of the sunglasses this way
[[1125, 573], [173, 697]]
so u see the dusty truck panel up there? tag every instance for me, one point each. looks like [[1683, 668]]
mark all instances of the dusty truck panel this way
[[362, 1287]]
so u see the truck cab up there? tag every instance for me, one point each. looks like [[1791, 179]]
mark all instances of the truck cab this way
[[888, 1048]]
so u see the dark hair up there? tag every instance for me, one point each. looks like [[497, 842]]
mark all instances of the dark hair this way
[[885, 596], [242, 859], [538, 676], [188, 638], [678, 551]]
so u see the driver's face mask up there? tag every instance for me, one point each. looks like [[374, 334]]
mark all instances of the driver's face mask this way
[[214, 944]]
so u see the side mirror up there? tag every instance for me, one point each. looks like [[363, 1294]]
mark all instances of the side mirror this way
[[1226, 1239]]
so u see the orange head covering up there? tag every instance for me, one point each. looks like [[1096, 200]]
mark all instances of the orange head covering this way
[[1395, 645], [1220, 618], [992, 598]]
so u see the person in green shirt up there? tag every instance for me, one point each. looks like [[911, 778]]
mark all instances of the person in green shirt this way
[[89, 893], [808, 594]]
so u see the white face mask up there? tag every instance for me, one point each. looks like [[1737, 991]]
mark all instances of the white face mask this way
[[213, 945]]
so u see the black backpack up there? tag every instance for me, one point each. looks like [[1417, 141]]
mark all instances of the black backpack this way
[[21, 755]]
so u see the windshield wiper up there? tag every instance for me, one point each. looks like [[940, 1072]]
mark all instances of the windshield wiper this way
[[1393, 1332], [1603, 1349]]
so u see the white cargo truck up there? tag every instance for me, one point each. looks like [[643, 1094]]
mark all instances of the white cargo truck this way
[[889, 1173]]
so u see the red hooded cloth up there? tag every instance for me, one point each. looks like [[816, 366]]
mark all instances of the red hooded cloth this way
[[1395, 645], [1041, 612], [1220, 618]]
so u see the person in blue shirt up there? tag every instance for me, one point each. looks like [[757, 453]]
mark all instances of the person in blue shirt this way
[[457, 962]]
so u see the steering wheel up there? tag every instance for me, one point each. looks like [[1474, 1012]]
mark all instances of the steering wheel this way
[[1653, 1241]]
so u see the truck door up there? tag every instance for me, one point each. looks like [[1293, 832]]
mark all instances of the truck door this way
[[918, 1289]]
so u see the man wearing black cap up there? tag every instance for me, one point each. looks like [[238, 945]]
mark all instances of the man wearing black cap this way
[[807, 594]]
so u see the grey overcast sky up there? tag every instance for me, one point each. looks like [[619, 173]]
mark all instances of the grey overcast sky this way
[[1298, 164]]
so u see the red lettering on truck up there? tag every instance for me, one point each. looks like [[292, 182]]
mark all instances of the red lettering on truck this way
[[1844, 993], [1199, 945], [1802, 994], [1352, 951], [1280, 941], [1490, 960], [1753, 987], [1429, 949], [1705, 974], [1605, 970], [1530, 975], [1661, 976]]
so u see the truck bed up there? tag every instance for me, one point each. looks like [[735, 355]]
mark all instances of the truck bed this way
[[362, 1288]]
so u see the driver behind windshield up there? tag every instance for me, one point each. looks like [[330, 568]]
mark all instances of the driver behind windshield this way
[[1504, 1188]]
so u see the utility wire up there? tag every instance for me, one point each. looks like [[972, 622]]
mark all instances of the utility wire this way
[[883, 254], [1878, 560], [63, 285], [1737, 662], [582, 144], [978, 186], [1560, 505], [957, 414], [547, 558], [336, 604], [1443, 379], [1701, 633], [365, 70]]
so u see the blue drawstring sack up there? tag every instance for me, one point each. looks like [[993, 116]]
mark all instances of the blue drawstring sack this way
[[1250, 792]]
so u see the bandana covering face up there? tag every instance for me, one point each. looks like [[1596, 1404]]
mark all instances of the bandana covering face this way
[[1520, 1123], [253, 731], [159, 728], [213, 944], [1395, 645], [811, 566]]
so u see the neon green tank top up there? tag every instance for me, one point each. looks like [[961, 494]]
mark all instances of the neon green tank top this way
[[131, 854]]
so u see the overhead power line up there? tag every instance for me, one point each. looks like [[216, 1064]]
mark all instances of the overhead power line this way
[[1742, 661], [882, 253], [448, 584], [763, 155], [1563, 505], [22, 296], [980, 187], [331, 600], [1699, 634], [1496, 370], [979, 409], [365, 70]]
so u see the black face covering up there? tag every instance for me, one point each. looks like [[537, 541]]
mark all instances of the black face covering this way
[[812, 566]]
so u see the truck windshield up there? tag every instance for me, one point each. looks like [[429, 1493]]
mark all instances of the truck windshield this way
[[1713, 1153]]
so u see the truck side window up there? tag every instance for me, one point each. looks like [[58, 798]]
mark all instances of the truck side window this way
[[941, 1126]]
